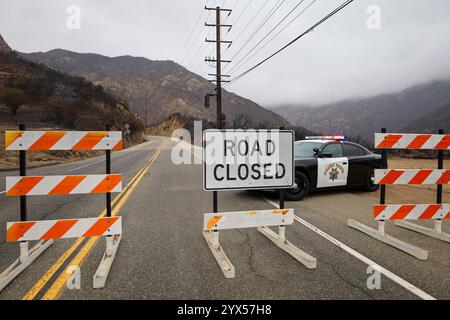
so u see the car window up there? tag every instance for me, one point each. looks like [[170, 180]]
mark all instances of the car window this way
[[334, 149], [306, 149], [352, 150]]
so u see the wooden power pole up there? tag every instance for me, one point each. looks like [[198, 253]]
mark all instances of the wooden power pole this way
[[218, 75], [218, 60]]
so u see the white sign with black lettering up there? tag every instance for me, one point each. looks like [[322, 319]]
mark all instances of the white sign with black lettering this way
[[238, 159]]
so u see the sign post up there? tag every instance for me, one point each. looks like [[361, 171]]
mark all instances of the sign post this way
[[249, 160]]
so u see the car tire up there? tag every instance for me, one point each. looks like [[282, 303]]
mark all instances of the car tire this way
[[302, 190], [370, 186]]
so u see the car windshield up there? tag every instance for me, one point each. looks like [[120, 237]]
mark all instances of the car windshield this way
[[305, 149]]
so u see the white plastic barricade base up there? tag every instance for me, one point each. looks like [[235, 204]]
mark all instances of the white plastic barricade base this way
[[101, 275], [24, 261], [212, 239], [299, 255], [252, 219], [380, 235], [435, 232]]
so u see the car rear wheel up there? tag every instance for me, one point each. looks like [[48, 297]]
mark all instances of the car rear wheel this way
[[301, 190], [370, 182]]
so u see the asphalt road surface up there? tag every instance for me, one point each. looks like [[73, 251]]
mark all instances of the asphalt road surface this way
[[164, 256]]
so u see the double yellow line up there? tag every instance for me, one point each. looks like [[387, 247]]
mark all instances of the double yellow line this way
[[58, 286]]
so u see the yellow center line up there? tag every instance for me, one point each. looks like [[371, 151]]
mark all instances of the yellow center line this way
[[33, 292]]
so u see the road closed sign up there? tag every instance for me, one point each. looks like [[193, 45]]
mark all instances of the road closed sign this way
[[238, 159]]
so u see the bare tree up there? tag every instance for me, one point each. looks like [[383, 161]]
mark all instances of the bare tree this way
[[13, 98]]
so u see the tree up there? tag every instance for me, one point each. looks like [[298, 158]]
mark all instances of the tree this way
[[13, 98]]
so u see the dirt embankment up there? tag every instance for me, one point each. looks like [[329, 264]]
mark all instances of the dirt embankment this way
[[416, 194]]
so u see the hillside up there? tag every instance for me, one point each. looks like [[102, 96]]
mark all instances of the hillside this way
[[169, 87], [414, 108], [43, 98], [430, 123], [37, 95]]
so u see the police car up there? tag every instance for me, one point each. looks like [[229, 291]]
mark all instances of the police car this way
[[332, 162]]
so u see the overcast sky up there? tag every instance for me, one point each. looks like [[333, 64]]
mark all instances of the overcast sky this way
[[343, 58]]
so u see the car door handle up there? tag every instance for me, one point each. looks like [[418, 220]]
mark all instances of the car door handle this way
[[345, 163]]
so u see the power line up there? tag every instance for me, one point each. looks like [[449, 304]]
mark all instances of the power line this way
[[250, 22], [192, 61], [199, 20], [236, 67], [242, 13], [197, 53], [263, 22], [328, 16], [265, 37], [199, 36]]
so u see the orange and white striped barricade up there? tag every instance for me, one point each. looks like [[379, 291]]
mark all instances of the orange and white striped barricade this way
[[402, 214], [47, 231], [214, 222]]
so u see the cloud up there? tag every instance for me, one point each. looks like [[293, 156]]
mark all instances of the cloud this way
[[340, 59]]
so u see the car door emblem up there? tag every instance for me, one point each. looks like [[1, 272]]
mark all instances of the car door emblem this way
[[334, 174]]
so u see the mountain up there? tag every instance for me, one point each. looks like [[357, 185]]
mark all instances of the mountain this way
[[168, 87], [39, 96], [433, 121], [419, 107], [4, 47]]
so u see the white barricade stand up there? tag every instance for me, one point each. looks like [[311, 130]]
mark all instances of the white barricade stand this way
[[213, 223]]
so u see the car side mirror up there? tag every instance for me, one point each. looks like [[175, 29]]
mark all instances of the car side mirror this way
[[316, 151]]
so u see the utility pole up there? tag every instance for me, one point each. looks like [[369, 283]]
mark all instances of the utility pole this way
[[145, 111], [218, 41]]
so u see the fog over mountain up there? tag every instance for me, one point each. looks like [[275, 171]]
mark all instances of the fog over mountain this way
[[423, 108]]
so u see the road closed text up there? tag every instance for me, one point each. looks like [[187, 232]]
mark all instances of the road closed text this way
[[248, 159]]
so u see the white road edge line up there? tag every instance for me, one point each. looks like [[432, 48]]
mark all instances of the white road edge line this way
[[405, 284], [118, 155], [86, 165]]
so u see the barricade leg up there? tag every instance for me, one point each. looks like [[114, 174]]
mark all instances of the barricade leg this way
[[435, 232], [380, 235], [212, 239], [101, 275], [26, 259], [280, 241]]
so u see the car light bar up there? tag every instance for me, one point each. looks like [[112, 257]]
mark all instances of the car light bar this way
[[336, 138]]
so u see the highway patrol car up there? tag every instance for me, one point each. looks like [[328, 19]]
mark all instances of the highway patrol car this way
[[332, 162]]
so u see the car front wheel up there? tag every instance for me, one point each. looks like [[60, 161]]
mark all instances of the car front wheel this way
[[370, 182], [301, 190]]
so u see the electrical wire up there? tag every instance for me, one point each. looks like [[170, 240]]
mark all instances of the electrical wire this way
[[236, 68], [327, 17], [263, 22], [265, 37]]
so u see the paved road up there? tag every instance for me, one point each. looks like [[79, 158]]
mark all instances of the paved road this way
[[164, 256]]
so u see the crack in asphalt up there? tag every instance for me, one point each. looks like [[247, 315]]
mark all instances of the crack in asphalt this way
[[347, 281], [62, 205], [250, 260]]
